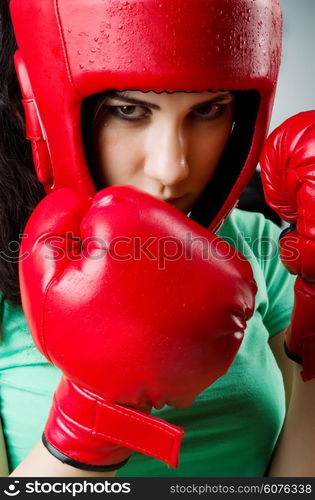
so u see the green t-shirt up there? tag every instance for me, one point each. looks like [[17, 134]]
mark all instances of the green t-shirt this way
[[232, 427]]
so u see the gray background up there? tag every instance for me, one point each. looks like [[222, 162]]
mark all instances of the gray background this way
[[296, 87]]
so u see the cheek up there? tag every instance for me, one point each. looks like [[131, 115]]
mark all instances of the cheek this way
[[119, 155], [207, 150]]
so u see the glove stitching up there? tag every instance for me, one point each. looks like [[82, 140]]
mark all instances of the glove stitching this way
[[64, 49]]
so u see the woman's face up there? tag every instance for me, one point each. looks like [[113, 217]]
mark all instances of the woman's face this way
[[167, 145]]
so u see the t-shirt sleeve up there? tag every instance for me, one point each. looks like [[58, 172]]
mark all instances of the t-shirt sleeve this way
[[279, 282]]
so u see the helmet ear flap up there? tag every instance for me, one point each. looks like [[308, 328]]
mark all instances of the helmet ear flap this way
[[34, 129]]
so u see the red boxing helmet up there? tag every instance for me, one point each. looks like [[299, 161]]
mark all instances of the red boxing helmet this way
[[70, 50]]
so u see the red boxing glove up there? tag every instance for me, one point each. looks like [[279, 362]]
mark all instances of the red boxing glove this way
[[288, 175], [135, 312]]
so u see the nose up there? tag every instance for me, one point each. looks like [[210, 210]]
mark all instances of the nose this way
[[166, 156]]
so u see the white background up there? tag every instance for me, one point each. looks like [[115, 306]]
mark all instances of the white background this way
[[296, 87]]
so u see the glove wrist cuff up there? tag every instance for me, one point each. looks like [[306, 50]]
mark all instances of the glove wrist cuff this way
[[90, 430], [300, 338], [79, 465]]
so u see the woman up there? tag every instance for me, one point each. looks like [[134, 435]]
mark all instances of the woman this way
[[195, 150]]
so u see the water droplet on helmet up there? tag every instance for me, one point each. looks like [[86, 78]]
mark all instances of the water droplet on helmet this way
[[81, 66]]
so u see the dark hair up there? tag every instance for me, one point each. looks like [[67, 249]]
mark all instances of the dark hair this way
[[20, 191]]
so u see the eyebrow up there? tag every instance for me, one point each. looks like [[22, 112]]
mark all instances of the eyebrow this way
[[218, 98], [132, 100], [139, 102]]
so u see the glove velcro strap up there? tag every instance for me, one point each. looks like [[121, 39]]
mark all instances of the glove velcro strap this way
[[294, 357], [307, 358], [93, 431], [300, 337]]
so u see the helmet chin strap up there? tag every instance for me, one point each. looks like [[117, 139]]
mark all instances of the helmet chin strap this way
[[33, 125]]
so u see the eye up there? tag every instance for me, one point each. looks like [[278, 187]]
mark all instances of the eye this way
[[210, 111], [129, 112]]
